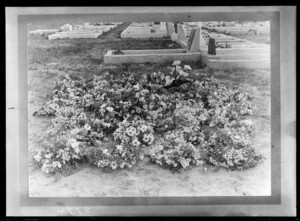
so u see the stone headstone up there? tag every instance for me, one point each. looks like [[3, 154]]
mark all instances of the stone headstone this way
[[181, 33], [170, 28], [211, 46], [66, 27], [191, 38], [196, 41]]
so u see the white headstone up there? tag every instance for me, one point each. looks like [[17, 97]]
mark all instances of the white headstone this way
[[66, 27], [170, 28], [197, 41], [181, 33]]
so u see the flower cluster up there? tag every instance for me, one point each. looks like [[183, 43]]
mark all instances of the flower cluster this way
[[190, 110], [57, 153], [230, 146], [174, 152], [118, 157], [135, 132]]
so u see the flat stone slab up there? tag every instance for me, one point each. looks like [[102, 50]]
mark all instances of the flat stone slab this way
[[73, 36], [227, 64], [246, 60], [245, 56], [43, 32], [152, 56], [143, 35], [242, 50], [145, 31]]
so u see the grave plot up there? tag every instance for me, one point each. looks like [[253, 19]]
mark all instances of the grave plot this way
[[189, 53], [228, 51], [237, 29], [145, 30], [240, 54], [43, 32], [81, 31]]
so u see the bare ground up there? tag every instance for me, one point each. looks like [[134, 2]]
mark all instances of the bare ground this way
[[47, 60]]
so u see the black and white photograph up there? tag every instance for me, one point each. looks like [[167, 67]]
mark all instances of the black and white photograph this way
[[172, 104]]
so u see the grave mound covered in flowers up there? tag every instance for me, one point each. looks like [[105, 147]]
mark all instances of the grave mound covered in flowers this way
[[184, 118]]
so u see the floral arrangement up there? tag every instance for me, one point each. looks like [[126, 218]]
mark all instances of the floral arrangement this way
[[191, 111], [135, 132], [57, 154], [175, 153], [230, 146], [118, 157]]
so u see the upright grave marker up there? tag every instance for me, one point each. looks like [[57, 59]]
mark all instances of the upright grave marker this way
[[66, 27], [170, 28], [211, 46], [191, 38], [181, 33], [195, 40]]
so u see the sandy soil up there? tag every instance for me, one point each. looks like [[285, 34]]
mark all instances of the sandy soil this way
[[47, 60]]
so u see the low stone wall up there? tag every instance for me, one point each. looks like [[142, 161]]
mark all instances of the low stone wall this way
[[226, 51], [145, 32], [44, 32], [69, 35], [151, 56], [82, 31], [227, 64], [143, 36]]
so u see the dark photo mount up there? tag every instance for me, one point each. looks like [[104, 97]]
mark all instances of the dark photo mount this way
[[134, 15]]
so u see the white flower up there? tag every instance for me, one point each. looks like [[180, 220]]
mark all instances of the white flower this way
[[55, 106], [131, 131], [110, 109], [75, 145], [182, 73], [48, 155], [87, 127], [119, 147], [187, 67], [199, 162], [105, 151], [176, 62], [37, 158], [135, 142], [169, 80], [122, 165], [114, 165], [82, 116], [74, 131], [136, 87], [143, 128]]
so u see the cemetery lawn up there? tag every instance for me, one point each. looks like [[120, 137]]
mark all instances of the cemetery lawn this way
[[48, 60]]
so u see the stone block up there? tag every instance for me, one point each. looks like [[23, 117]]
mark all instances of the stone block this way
[[211, 46], [66, 27], [181, 33], [170, 28], [44, 32], [191, 39], [197, 42], [152, 56], [227, 64]]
